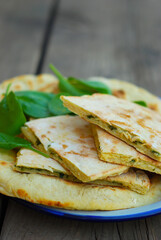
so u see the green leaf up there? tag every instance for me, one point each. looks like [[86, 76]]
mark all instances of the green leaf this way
[[89, 87], [56, 105], [34, 110], [9, 142], [64, 85], [12, 117], [35, 104], [142, 103], [35, 96], [8, 88]]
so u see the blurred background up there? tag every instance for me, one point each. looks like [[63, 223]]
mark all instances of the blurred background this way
[[110, 38]]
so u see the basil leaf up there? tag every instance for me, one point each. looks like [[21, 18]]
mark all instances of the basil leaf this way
[[64, 85], [35, 110], [8, 88], [35, 104], [89, 87], [56, 106], [142, 103], [12, 117], [9, 142], [35, 96]]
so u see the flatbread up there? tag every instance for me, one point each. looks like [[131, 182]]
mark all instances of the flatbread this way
[[42, 83], [56, 192], [135, 180], [28, 158], [32, 162], [70, 141], [130, 92], [49, 83], [114, 150], [138, 126]]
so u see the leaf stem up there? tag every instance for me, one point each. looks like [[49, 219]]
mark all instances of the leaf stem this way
[[37, 151], [64, 85]]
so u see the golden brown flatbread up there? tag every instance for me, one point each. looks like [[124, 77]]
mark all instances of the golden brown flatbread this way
[[114, 150], [42, 82], [138, 126], [70, 141], [32, 162], [49, 83], [131, 92], [56, 192]]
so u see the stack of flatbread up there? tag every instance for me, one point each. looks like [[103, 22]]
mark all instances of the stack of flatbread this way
[[106, 157]]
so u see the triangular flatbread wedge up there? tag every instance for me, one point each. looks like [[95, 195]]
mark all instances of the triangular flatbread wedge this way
[[138, 126], [114, 150], [135, 180], [56, 192], [130, 92], [70, 141], [31, 162]]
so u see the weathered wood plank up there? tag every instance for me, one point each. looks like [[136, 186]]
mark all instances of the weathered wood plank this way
[[112, 39], [109, 38], [22, 26], [30, 224], [25, 223]]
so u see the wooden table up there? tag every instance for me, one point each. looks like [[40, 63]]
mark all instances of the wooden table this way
[[111, 38]]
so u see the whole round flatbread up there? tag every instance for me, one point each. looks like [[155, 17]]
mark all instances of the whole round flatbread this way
[[55, 192], [49, 83]]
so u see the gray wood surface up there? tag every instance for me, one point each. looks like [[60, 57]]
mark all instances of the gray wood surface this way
[[107, 38], [113, 38], [22, 25]]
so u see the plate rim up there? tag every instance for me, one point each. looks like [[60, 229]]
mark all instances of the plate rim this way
[[151, 210]]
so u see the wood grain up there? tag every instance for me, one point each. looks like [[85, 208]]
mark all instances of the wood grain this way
[[22, 25], [40, 226], [25, 223], [106, 38], [111, 39]]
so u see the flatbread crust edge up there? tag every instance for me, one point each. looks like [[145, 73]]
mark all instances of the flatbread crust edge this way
[[43, 83], [55, 192], [49, 83], [135, 180], [130, 92]]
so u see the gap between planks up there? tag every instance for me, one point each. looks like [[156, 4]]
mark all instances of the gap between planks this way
[[52, 15]]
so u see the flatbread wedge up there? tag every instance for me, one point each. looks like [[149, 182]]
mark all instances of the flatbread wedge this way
[[114, 150], [70, 141], [135, 180], [130, 92], [56, 192], [138, 126], [31, 162]]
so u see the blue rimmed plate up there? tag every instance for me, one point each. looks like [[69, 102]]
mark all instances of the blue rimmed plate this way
[[117, 215]]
